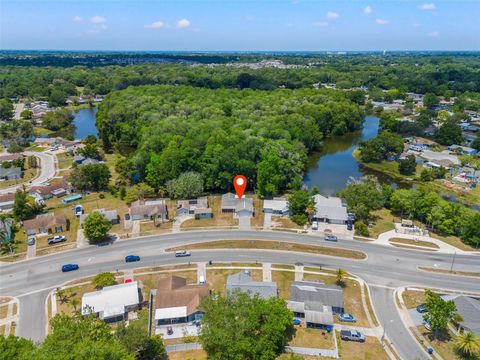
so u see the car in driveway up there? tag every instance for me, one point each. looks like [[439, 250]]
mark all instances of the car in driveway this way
[[182, 253], [56, 239], [314, 225], [347, 318], [31, 241], [297, 321], [352, 335], [422, 308], [331, 238], [132, 258], [70, 267], [169, 330]]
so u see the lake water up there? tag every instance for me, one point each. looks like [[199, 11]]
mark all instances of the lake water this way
[[84, 123], [331, 168]]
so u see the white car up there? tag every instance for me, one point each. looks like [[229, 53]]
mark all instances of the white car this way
[[314, 225]]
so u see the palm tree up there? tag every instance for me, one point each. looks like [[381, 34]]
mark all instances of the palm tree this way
[[341, 275], [468, 344], [5, 242], [75, 302]]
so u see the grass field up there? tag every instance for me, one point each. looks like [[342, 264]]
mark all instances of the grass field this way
[[413, 298], [447, 271], [284, 222], [371, 349], [413, 242], [312, 338]]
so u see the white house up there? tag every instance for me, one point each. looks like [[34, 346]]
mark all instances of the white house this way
[[277, 206], [329, 210]]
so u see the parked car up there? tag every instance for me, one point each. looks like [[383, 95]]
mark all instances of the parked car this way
[[132, 258], [70, 267], [169, 330], [201, 279], [422, 308], [426, 325], [314, 225], [182, 253], [349, 226], [352, 335], [56, 239], [127, 216], [31, 241], [331, 238], [347, 318], [297, 321]]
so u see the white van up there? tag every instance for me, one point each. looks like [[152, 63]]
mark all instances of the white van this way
[[314, 225], [201, 280]]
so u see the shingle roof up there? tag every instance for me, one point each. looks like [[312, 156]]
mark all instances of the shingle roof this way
[[316, 294], [7, 198], [469, 309], [45, 221], [243, 281], [10, 157], [13, 171], [111, 215], [276, 204], [244, 204], [229, 201], [330, 208], [150, 208]]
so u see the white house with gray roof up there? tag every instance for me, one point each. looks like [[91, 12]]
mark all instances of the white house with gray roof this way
[[469, 308], [329, 210], [243, 282]]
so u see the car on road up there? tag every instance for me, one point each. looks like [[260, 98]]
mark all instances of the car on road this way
[[31, 241], [169, 330], [70, 267], [314, 225], [352, 335], [422, 308], [331, 238], [132, 258], [297, 321], [182, 253], [347, 318], [56, 239]]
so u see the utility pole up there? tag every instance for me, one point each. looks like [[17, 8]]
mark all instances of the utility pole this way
[[153, 293], [453, 261]]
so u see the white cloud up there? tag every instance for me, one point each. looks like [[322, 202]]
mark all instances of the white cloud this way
[[77, 19], [321, 24], [367, 10], [381, 21], [332, 15], [155, 25], [98, 19], [427, 6], [433, 34], [183, 23]]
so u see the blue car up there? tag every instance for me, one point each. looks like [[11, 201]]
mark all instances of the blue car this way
[[297, 321], [70, 267], [347, 318], [132, 258]]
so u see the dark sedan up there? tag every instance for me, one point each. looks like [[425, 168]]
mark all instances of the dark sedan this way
[[132, 258]]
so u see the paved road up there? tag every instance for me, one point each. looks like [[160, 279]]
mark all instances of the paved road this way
[[385, 268], [47, 171]]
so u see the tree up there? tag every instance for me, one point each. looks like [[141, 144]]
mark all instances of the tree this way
[[81, 338], [449, 133], [341, 275], [139, 191], [93, 177], [468, 344], [298, 204], [91, 151], [103, 279], [96, 227], [26, 114], [381, 147], [363, 196], [13, 347], [440, 312], [56, 120], [136, 340], [240, 326], [361, 228], [430, 100], [6, 110], [471, 230], [188, 185], [407, 166], [24, 206]]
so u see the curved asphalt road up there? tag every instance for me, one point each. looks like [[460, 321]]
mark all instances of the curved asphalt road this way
[[385, 269]]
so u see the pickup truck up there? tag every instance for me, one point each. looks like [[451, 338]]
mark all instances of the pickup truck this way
[[352, 335], [56, 239]]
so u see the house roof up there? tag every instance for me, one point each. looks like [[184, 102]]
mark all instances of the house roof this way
[[319, 317], [111, 300], [469, 309], [13, 171], [7, 198], [193, 204], [47, 189], [90, 161], [173, 292], [10, 157], [203, 211], [111, 215], [45, 221], [149, 207], [276, 204], [229, 201], [330, 208], [316, 294], [244, 204], [243, 281]]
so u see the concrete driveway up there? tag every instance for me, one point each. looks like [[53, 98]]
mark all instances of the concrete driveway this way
[[244, 222], [267, 221]]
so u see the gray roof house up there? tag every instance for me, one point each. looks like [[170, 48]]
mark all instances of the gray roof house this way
[[316, 294], [242, 207], [149, 210], [111, 216], [276, 206], [330, 210], [469, 308], [10, 173], [193, 206], [7, 201], [243, 281], [229, 202]]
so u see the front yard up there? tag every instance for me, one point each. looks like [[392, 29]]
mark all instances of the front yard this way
[[219, 218]]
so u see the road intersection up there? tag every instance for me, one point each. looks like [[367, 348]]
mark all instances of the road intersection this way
[[384, 270]]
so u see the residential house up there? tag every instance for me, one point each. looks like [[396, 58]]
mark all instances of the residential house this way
[[10, 157], [242, 281], [110, 215], [242, 207], [464, 150], [229, 202], [198, 207], [7, 201], [46, 192], [46, 224], [6, 228], [149, 210], [315, 302], [329, 210], [469, 308], [12, 173], [177, 302], [434, 156], [277, 206], [112, 303]]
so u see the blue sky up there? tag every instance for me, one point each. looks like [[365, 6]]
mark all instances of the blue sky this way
[[313, 25]]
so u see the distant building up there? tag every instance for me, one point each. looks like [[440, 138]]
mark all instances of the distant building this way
[[243, 282], [277, 206], [10, 173], [178, 303], [149, 210], [110, 215], [329, 210], [458, 149], [46, 224], [112, 303], [7, 201], [10, 157]]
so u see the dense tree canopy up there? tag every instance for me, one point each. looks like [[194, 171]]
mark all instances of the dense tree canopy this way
[[90, 177], [363, 196], [381, 147], [96, 227]]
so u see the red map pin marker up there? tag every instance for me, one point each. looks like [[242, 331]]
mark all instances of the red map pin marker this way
[[240, 183]]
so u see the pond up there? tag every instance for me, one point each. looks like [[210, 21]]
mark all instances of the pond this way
[[331, 168], [84, 123]]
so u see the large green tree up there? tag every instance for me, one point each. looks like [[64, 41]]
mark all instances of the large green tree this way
[[188, 185], [381, 147], [13, 347], [96, 227], [240, 326], [298, 204], [137, 341], [449, 133], [103, 279], [6, 110], [407, 166], [363, 196], [440, 312], [93, 177], [24, 206]]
